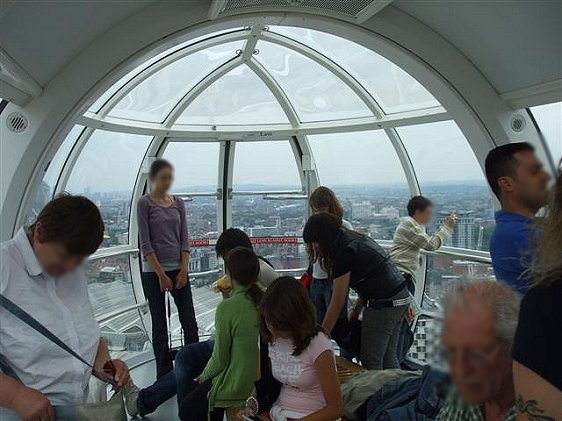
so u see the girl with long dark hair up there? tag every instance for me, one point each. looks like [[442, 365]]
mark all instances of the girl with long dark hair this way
[[301, 355], [355, 261], [321, 200], [164, 245], [228, 379]]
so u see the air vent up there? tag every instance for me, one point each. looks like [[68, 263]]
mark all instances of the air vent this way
[[355, 10], [17, 122], [518, 123]]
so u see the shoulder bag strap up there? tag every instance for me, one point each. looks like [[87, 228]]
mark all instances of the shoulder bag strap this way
[[37, 326]]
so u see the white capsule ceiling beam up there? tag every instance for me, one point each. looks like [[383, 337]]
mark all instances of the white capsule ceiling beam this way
[[276, 90], [203, 84], [329, 65], [171, 58], [250, 46], [283, 131]]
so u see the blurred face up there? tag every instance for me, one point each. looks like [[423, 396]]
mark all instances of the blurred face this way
[[424, 217], [163, 179], [479, 361], [54, 258], [529, 186]]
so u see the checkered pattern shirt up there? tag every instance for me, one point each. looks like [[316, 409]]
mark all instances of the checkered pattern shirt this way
[[455, 409]]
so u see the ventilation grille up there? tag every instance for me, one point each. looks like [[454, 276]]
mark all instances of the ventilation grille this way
[[347, 8], [17, 122], [518, 123]]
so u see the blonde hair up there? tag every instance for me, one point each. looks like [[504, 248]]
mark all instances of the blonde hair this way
[[546, 267], [325, 198]]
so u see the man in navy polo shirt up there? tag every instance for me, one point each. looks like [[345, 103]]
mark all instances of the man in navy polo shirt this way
[[518, 179]]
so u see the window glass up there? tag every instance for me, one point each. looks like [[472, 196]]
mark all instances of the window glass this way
[[450, 175], [155, 97], [196, 165], [239, 97], [96, 106], [205, 302], [364, 171], [394, 89], [106, 172], [549, 120], [265, 166], [315, 93], [50, 178], [111, 290], [442, 270], [276, 226], [276, 220]]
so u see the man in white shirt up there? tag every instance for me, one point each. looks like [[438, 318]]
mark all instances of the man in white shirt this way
[[410, 238], [41, 273]]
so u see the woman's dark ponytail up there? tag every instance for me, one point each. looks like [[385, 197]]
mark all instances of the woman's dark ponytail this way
[[255, 293], [243, 265]]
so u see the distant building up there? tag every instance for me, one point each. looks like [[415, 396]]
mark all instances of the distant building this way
[[123, 238], [390, 212], [361, 210], [110, 274], [263, 231], [463, 236]]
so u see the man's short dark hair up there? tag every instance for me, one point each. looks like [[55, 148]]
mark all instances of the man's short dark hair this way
[[74, 221], [501, 162], [418, 203], [230, 239]]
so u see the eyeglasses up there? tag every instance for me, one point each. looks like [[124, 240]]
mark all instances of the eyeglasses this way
[[472, 356]]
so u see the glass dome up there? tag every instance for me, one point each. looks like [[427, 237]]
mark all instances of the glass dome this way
[[253, 119]]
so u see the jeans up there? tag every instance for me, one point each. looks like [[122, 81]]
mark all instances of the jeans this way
[[195, 407], [418, 398], [321, 295], [406, 336], [379, 337], [190, 362], [157, 305]]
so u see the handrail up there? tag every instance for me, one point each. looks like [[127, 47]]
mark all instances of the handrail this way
[[198, 194], [290, 270], [113, 251], [208, 272], [114, 314], [466, 254], [261, 193]]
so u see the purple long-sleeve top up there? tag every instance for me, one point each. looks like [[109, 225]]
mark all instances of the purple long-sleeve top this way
[[163, 231]]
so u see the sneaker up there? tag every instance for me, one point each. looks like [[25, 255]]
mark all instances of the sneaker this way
[[131, 395]]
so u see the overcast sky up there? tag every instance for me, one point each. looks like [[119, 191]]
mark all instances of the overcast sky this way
[[438, 151]]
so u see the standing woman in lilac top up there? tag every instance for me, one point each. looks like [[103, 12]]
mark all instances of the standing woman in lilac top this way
[[165, 250]]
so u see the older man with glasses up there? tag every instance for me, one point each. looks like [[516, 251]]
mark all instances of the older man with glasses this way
[[478, 332]]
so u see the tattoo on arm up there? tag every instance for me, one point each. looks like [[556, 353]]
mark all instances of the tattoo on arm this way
[[531, 409]]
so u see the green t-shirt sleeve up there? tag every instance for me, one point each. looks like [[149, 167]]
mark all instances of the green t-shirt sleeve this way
[[223, 344]]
